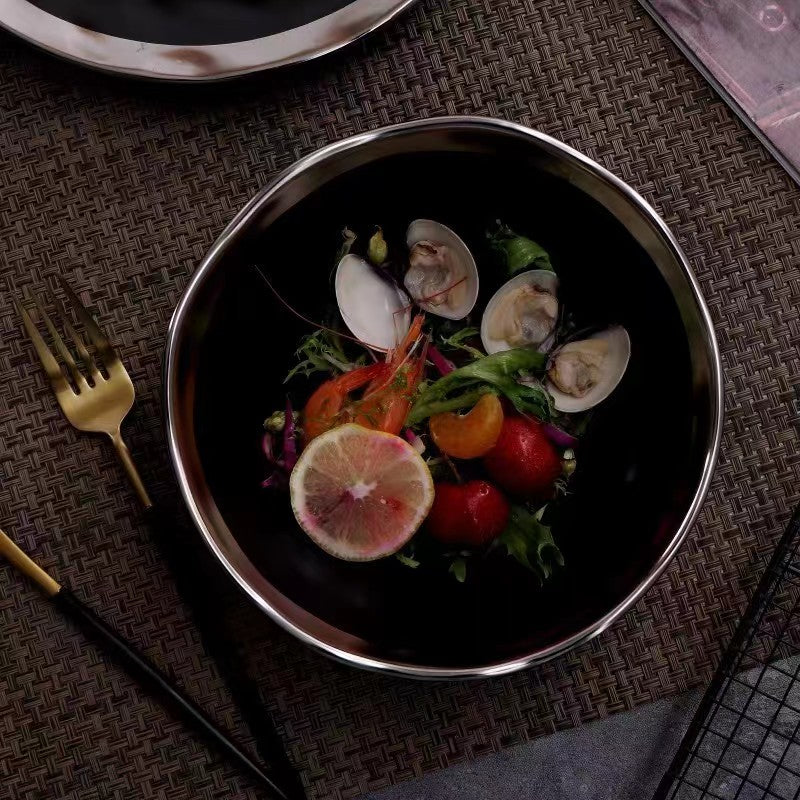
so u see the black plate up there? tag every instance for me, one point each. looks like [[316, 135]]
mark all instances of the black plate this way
[[638, 464]]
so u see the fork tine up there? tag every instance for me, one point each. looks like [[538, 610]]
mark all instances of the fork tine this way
[[63, 350], [49, 362], [77, 340], [107, 353]]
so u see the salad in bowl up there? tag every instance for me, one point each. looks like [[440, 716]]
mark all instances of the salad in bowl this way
[[423, 425]]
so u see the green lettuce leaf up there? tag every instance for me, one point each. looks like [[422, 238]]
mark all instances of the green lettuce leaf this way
[[458, 569], [531, 543], [518, 252], [496, 373]]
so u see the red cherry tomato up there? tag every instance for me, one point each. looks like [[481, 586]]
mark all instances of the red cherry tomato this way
[[473, 513], [524, 461]]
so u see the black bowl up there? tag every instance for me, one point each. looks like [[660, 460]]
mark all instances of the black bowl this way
[[644, 464]]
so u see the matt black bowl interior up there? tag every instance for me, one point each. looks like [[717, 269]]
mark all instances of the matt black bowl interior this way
[[638, 464]]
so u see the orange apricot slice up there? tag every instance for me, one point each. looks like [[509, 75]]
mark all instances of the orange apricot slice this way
[[469, 435]]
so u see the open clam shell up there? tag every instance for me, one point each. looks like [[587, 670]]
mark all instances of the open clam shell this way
[[611, 367], [377, 312], [501, 305], [442, 277]]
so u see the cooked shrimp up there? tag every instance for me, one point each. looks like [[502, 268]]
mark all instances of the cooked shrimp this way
[[327, 407], [386, 401], [399, 356], [386, 409]]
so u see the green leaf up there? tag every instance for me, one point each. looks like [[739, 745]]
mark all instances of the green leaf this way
[[321, 351], [518, 252], [531, 543], [457, 403], [407, 560], [464, 333], [497, 372], [456, 341], [459, 569]]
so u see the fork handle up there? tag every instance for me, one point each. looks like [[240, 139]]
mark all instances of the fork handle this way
[[130, 468]]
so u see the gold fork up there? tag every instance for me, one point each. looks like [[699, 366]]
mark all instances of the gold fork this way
[[98, 406]]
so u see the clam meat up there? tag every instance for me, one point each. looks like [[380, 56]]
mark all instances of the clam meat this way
[[442, 277], [584, 373], [522, 313]]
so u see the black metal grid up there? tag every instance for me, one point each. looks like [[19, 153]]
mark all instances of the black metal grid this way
[[744, 740]]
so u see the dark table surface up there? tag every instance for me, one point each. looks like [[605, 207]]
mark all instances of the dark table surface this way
[[123, 186]]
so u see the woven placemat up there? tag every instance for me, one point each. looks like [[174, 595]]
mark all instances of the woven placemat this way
[[123, 186]]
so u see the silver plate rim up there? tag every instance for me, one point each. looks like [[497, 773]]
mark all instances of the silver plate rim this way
[[196, 63]]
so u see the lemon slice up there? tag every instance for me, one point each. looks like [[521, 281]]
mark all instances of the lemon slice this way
[[360, 494]]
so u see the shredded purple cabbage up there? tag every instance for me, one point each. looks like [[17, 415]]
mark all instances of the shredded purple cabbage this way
[[558, 437], [284, 464], [414, 440], [267, 447], [275, 481], [444, 365], [289, 439]]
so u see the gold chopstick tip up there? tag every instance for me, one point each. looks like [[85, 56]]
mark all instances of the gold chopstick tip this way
[[27, 566]]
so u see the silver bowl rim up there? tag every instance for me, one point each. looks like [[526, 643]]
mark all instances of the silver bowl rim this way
[[196, 63], [210, 536]]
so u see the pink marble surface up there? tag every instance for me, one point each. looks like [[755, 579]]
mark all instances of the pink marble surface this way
[[752, 47]]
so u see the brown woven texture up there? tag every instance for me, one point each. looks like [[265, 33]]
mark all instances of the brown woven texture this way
[[123, 186]]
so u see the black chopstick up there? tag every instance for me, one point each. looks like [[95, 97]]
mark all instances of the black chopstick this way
[[136, 663], [195, 574], [148, 673]]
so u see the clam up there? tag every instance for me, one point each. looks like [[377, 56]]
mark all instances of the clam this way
[[377, 312], [442, 277], [522, 313], [584, 373]]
